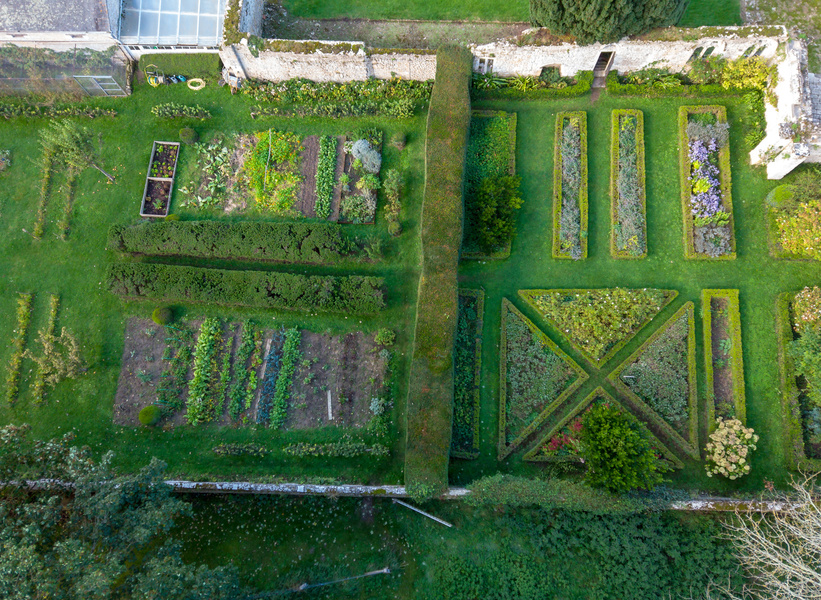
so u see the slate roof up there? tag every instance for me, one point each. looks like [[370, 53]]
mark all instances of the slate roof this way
[[54, 15]]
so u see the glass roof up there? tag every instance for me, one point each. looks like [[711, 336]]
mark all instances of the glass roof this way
[[172, 22]]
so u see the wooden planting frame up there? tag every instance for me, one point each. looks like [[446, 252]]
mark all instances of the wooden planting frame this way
[[796, 454], [148, 179], [736, 355], [504, 449], [533, 456], [725, 181], [557, 184], [691, 446], [512, 121], [529, 297], [616, 116], [477, 373]]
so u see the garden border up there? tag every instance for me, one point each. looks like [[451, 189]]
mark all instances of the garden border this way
[[477, 374], [503, 253], [584, 82], [557, 184], [725, 178], [615, 118], [691, 447], [736, 353], [791, 409], [505, 450], [526, 295], [530, 456]]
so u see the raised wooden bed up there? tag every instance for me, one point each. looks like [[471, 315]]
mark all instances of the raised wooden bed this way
[[159, 181]]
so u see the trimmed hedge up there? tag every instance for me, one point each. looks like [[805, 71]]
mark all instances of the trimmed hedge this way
[[533, 456], [18, 344], [584, 81], [649, 90], [684, 171], [256, 289], [797, 458], [614, 178], [736, 355], [506, 449], [557, 183], [430, 394], [316, 243], [691, 446], [471, 396]]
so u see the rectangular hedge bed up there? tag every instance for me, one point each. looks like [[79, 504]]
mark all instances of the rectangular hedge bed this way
[[628, 200], [570, 186], [723, 356], [801, 452], [159, 180], [467, 372], [706, 187], [685, 435], [491, 153]]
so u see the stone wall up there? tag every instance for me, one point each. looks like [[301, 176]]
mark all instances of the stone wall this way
[[510, 59], [319, 66]]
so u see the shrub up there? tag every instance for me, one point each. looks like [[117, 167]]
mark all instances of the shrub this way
[[172, 110], [376, 95], [370, 157], [807, 309], [295, 242], [18, 344], [398, 140], [798, 215], [497, 203], [617, 451], [171, 217], [466, 371], [393, 188], [247, 448], [150, 415], [258, 289], [385, 337], [729, 449], [188, 136], [429, 409], [344, 449], [162, 315], [8, 111]]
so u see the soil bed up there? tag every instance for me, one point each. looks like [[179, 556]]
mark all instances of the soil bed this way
[[163, 161], [156, 197], [722, 366]]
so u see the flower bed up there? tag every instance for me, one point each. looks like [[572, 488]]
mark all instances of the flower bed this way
[[159, 183], [598, 322], [723, 356], [659, 380], [628, 202], [570, 186], [706, 197], [562, 443], [467, 367], [491, 153], [536, 376]]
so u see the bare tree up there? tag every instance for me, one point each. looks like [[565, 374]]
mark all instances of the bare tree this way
[[71, 143]]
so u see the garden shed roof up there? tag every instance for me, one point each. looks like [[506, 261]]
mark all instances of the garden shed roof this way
[[54, 15]]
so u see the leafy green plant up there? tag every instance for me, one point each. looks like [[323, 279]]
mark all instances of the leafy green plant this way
[[325, 173], [498, 200], [282, 393], [347, 448], [273, 169], [392, 187], [18, 343], [385, 336], [174, 110], [205, 353]]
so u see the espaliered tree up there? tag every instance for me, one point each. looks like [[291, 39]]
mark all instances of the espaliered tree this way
[[604, 20]]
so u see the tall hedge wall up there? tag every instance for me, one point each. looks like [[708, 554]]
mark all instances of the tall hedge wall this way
[[430, 397], [256, 289], [283, 242]]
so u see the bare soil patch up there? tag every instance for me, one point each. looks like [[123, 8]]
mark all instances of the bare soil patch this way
[[722, 366], [350, 367]]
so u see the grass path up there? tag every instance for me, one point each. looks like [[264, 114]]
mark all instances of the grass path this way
[[758, 277]]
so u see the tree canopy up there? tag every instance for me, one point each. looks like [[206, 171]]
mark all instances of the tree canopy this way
[[105, 537], [604, 20]]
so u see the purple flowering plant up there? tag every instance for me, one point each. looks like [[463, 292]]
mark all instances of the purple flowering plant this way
[[705, 188]]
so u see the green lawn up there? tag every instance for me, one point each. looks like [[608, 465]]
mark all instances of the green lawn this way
[[76, 270], [758, 277], [425, 10], [711, 12]]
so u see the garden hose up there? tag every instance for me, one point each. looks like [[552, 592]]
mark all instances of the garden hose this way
[[198, 84]]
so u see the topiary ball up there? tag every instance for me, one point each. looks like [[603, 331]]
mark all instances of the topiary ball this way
[[172, 217], [150, 415], [162, 315], [188, 136]]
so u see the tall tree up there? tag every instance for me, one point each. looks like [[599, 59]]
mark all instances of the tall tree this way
[[604, 20], [103, 537]]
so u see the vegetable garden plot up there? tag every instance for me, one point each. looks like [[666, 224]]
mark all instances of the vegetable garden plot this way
[[491, 154], [628, 201], [598, 322], [536, 376], [706, 190], [159, 181], [359, 180], [659, 380], [562, 442], [570, 186], [723, 356], [467, 369]]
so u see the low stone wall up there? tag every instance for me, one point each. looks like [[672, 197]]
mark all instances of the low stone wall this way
[[327, 66]]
